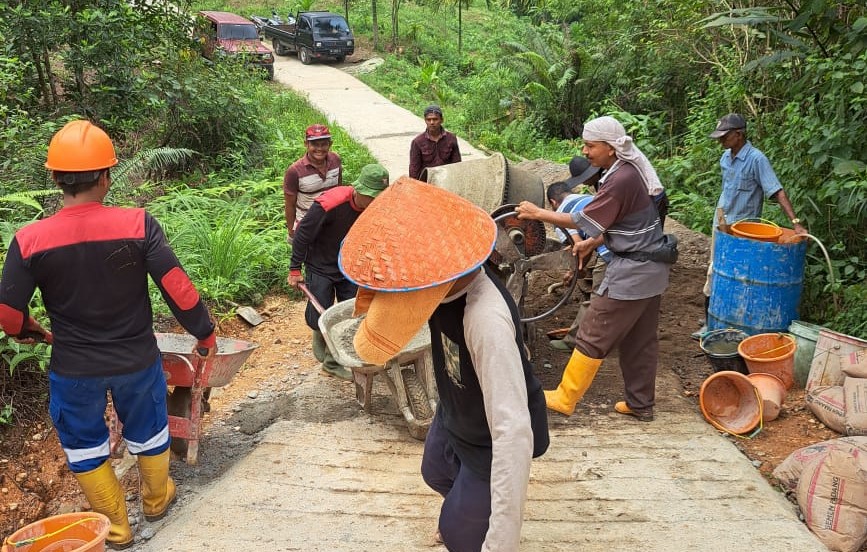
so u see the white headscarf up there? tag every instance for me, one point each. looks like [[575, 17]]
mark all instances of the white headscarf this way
[[610, 131]]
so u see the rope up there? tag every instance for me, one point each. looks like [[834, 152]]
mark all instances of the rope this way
[[53, 533]]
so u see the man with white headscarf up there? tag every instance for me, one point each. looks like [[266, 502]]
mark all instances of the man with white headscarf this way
[[624, 312]]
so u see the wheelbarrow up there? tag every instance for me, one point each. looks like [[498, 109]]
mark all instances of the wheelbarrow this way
[[192, 378], [409, 375]]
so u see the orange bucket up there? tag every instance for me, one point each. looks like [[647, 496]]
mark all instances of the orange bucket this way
[[757, 231], [730, 402], [770, 353], [773, 392], [75, 532]]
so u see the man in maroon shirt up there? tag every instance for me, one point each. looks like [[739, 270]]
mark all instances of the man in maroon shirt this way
[[434, 147]]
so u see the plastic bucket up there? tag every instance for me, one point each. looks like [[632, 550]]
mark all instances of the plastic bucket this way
[[730, 402], [757, 231], [721, 348], [755, 286], [770, 354], [773, 392], [75, 532], [806, 335]]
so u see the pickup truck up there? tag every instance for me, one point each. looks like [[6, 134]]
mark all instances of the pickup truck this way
[[313, 35]]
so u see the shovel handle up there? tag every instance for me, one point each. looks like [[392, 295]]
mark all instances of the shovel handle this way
[[310, 297]]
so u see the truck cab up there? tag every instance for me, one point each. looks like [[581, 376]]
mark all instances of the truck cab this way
[[313, 35], [224, 33], [326, 34]]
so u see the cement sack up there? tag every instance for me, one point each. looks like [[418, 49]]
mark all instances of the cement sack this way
[[855, 364], [828, 404], [789, 471], [855, 393], [832, 495]]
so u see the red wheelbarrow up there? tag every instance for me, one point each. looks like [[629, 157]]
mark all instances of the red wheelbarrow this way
[[192, 378]]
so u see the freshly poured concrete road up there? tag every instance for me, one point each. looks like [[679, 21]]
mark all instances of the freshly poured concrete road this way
[[606, 484]]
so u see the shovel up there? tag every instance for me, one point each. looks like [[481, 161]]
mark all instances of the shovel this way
[[247, 314], [313, 301]]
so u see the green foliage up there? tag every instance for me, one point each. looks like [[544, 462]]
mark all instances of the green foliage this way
[[230, 251], [14, 354]]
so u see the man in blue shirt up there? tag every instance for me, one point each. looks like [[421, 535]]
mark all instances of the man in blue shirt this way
[[747, 179]]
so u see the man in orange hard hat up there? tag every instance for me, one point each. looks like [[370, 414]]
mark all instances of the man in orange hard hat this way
[[91, 263]]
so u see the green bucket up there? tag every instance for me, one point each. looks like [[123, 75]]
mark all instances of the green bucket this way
[[806, 335]]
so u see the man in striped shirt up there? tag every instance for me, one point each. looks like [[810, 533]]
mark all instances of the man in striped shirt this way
[[305, 180]]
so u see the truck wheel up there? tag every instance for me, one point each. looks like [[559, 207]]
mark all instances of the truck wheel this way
[[304, 55], [340, 59], [278, 48]]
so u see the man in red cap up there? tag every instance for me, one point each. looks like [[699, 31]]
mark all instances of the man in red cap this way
[[318, 170], [91, 263]]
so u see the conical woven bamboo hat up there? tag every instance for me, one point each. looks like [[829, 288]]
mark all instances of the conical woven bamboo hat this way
[[416, 236]]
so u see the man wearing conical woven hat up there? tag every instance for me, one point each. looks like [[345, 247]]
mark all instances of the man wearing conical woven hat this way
[[425, 265]]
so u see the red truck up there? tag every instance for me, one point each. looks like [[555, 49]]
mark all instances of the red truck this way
[[224, 33]]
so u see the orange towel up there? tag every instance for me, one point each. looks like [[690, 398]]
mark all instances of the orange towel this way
[[393, 319]]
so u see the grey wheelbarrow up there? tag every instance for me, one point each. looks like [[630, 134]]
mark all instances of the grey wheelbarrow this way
[[409, 375]]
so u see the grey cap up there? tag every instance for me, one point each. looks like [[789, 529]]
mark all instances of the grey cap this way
[[732, 121]]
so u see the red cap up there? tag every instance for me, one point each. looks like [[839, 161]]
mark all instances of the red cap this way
[[317, 132]]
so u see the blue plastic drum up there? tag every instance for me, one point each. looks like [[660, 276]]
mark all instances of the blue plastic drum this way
[[755, 285]]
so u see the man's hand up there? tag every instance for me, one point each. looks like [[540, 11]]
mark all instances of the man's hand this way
[[527, 210], [290, 236], [295, 277], [206, 349], [33, 333], [582, 249], [799, 229]]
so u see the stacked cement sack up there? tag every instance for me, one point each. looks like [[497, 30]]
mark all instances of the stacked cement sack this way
[[837, 393], [829, 480]]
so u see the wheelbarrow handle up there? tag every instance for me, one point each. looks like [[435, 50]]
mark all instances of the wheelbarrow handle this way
[[313, 301]]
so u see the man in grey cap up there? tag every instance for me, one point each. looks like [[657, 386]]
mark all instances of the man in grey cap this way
[[747, 179], [434, 147]]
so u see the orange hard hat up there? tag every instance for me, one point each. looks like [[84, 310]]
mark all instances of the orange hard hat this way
[[80, 146]]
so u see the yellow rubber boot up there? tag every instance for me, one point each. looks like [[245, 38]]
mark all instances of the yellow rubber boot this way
[[106, 496], [157, 488], [577, 377]]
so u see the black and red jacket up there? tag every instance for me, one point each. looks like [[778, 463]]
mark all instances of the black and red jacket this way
[[317, 240], [91, 263]]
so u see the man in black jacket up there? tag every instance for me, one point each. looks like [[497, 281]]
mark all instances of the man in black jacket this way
[[316, 247]]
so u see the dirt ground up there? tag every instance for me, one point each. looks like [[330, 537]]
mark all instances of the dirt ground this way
[[35, 482]]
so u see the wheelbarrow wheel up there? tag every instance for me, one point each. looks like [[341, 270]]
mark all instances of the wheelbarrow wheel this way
[[179, 403], [417, 396]]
